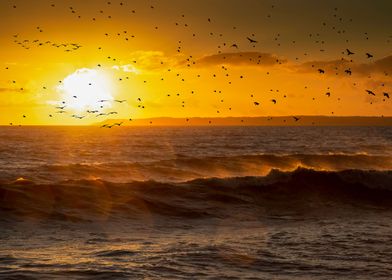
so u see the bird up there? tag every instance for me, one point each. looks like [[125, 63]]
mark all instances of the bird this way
[[256, 103], [251, 40], [273, 101], [349, 52], [370, 92], [321, 71], [120, 101], [348, 71], [234, 46], [328, 94], [369, 55], [386, 94], [296, 118]]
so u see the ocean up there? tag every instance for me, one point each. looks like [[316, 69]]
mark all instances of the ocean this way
[[196, 203]]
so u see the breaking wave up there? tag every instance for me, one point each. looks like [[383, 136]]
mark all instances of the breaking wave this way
[[302, 191], [184, 168]]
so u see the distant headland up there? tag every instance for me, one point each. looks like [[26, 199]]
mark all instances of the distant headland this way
[[257, 121]]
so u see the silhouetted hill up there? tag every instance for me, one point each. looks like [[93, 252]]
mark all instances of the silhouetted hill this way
[[258, 121]]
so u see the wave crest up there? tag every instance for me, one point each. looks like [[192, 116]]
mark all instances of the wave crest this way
[[184, 168], [302, 191]]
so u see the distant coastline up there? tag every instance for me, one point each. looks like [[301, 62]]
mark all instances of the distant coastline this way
[[296, 120], [257, 121]]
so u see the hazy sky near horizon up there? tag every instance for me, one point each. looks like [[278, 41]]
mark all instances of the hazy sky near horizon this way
[[61, 60]]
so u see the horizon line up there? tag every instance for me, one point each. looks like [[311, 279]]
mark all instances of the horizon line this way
[[307, 120]]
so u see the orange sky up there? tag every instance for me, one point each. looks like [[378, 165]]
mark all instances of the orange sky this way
[[184, 49]]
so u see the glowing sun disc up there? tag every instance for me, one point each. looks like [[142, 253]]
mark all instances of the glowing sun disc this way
[[85, 89]]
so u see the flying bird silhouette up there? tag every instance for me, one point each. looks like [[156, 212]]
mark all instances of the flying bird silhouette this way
[[251, 40], [369, 55], [349, 52], [370, 92]]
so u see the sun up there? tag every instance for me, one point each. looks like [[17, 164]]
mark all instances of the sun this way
[[86, 89]]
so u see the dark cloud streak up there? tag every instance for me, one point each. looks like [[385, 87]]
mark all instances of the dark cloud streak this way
[[241, 59], [5, 90], [337, 67]]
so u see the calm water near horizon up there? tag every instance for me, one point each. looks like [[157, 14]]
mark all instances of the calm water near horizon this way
[[196, 202]]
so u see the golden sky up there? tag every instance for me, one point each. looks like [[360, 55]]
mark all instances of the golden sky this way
[[63, 59]]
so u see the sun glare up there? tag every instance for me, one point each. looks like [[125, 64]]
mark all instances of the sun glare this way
[[86, 89]]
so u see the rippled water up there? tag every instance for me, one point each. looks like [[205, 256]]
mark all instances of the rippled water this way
[[178, 154], [285, 203]]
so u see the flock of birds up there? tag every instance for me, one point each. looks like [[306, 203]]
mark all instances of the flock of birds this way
[[28, 44], [225, 50], [349, 72]]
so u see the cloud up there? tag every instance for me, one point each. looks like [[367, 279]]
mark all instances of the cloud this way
[[151, 61], [5, 90], [142, 62], [128, 68], [338, 67], [330, 67], [241, 59], [382, 66]]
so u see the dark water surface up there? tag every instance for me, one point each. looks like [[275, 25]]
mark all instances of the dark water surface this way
[[196, 203]]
